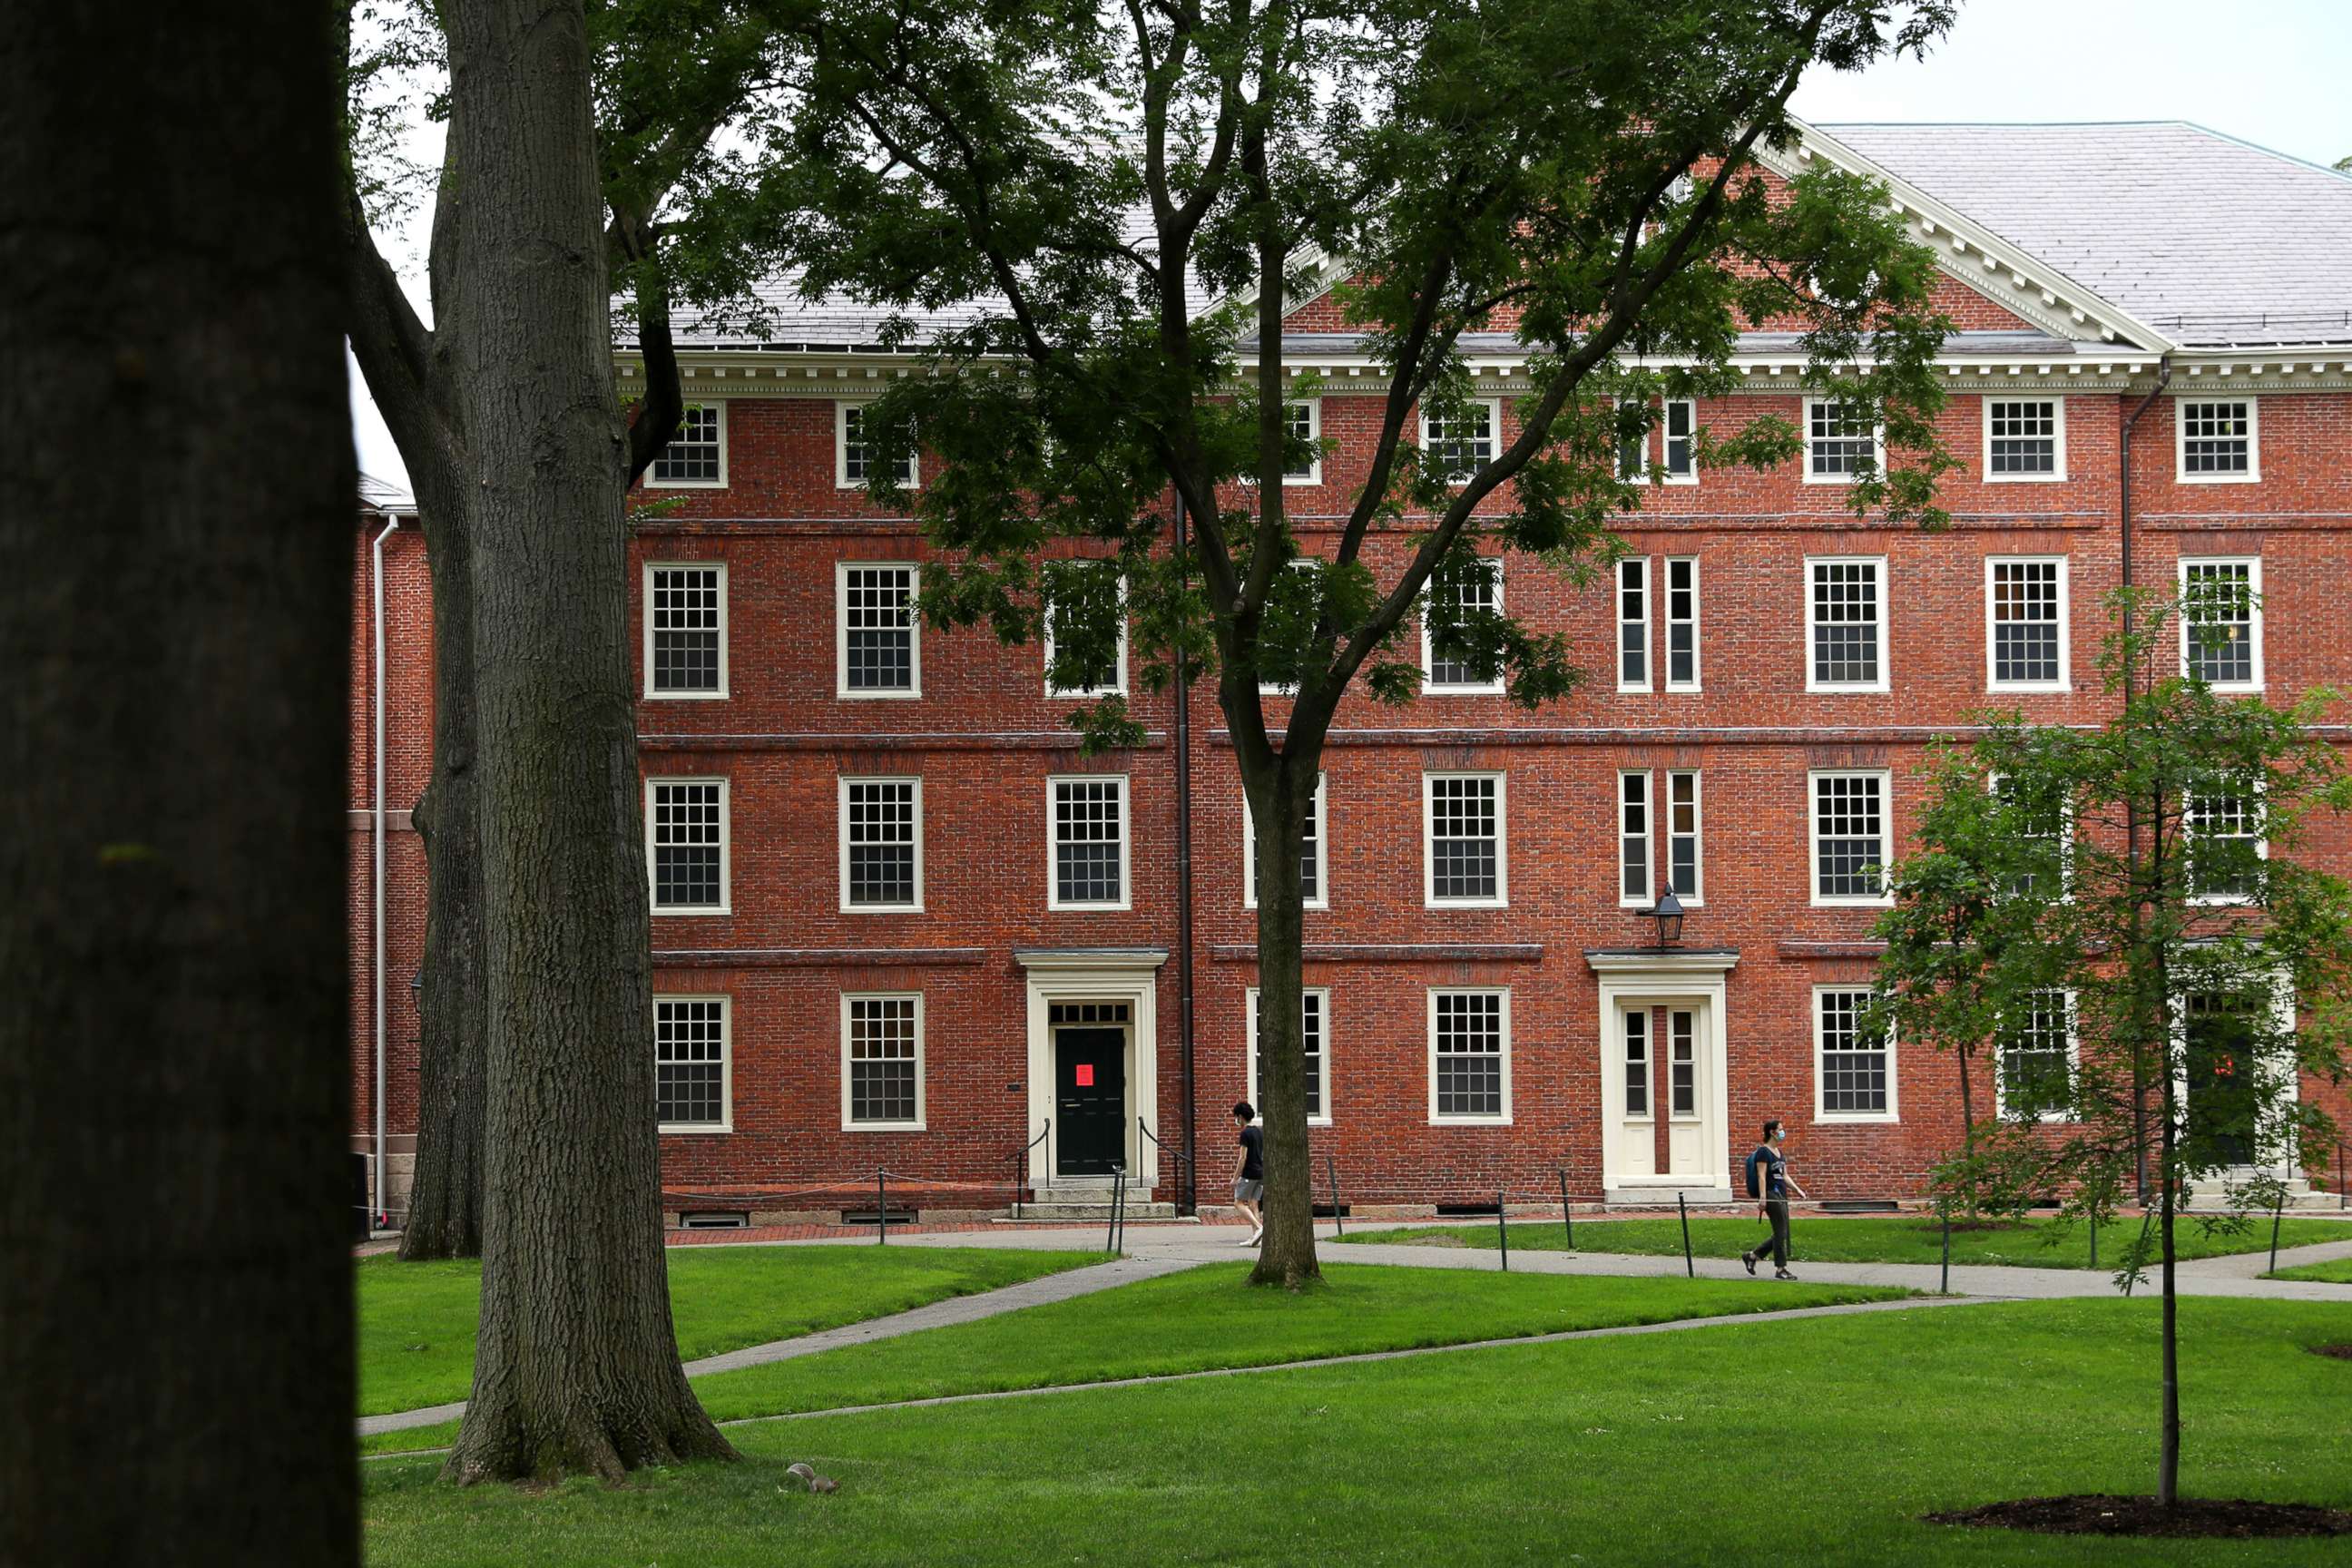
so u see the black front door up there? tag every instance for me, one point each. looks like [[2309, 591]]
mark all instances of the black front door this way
[[1089, 1100], [2220, 1085]]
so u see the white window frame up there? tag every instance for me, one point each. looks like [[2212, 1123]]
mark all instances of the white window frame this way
[[2254, 565], [920, 1124], [1647, 897], [1667, 440], [1054, 899], [2074, 1064], [1884, 899], [1633, 567], [1504, 1021], [1820, 1114], [2065, 837], [2262, 840], [1428, 684], [2065, 682], [1313, 407], [2057, 431], [1281, 688], [1697, 897], [651, 483], [1878, 445], [1502, 898], [1885, 627], [841, 479], [1322, 900], [1324, 1118], [726, 1122], [653, 692], [1494, 407], [726, 904], [841, 836], [2253, 474], [1119, 680], [841, 687], [1666, 619]]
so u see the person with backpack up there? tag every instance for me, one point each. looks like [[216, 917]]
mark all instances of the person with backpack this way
[[1769, 1182]]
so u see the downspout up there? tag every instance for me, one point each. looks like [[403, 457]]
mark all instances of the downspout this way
[[376, 818], [2131, 808], [1184, 900]]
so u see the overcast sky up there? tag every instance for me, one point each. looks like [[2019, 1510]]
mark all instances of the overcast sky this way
[[2273, 72]]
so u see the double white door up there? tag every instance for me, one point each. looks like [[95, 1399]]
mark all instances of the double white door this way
[[1665, 1074]]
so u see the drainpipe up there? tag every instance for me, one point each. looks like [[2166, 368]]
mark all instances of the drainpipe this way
[[2131, 806], [1184, 900], [375, 816]]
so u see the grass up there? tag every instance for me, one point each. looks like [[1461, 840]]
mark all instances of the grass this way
[[1818, 1441], [1203, 1318], [417, 1320], [2335, 1271], [1904, 1238]]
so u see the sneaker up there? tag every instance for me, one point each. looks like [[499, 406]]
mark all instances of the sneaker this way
[[1783, 1274], [1253, 1241], [1748, 1261]]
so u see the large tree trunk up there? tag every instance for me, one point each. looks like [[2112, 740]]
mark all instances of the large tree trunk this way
[[2168, 1470], [1279, 803], [175, 577], [576, 1365], [444, 1204]]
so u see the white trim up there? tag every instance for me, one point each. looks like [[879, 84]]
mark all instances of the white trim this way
[[1429, 687], [1818, 899], [920, 1123], [718, 406], [1095, 977], [1697, 897], [841, 479], [2180, 473], [1666, 619], [1668, 979], [2065, 682], [1119, 679], [1636, 566], [1666, 438], [2260, 837], [1282, 688], [726, 1122], [1429, 897], [1504, 1021], [1494, 407], [2074, 1064], [655, 784], [1322, 900], [2254, 565], [1648, 896], [2058, 436], [1805, 429], [654, 693], [1877, 564], [841, 838], [1054, 899], [1323, 1056], [1894, 1108], [841, 688], [1313, 407]]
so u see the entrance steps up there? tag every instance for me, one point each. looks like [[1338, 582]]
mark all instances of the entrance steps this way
[[1090, 1204]]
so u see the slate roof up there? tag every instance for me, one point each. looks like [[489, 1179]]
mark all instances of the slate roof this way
[[1964, 344], [2207, 240]]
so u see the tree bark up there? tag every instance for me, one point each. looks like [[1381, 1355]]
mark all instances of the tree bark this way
[[1278, 805], [576, 1365], [175, 601]]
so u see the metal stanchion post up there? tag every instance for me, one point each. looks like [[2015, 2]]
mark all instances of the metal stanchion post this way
[[1503, 1231], [1944, 1286], [1566, 1219], [1682, 1203], [881, 1207], [2278, 1211], [1338, 1219]]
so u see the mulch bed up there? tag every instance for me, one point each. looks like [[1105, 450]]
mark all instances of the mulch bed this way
[[2341, 1353], [2095, 1514]]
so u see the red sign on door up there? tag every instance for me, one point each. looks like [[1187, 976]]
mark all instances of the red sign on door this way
[[1086, 1075]]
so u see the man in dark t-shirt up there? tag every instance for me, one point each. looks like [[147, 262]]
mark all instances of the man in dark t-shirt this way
[[1249, 1172], [1769, 1182]]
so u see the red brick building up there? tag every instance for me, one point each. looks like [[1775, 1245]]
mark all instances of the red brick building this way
[[901, 922]]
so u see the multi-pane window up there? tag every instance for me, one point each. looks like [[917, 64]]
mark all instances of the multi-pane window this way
[[1633, 624], [1464, 824], [1682, 863], [1314, 1009], [2025, 439], [1846, 620], [1089, 842], [1455, 446], [1681, 1062], [2223, 836], [2217, 440], [686, 834], [878, 652], [697, 455], [859, 460], [2026, 619], [1849, 838], [1303, 421], [1632, 452], [2221, 622], [686, 630], [1312, 888], [1445, 661], [1682, 623], [1636, 1023], [2037, 834], [2037, 1065], [1469, 1049], [882, 1061], [881, 844], [1633, 839], [1108, 674], [1855, 1067], [1840, 440], [1681, 432], [690, 1063]]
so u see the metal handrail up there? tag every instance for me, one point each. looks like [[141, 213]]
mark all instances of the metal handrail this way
[[1021, 1161], [1145, 1128]]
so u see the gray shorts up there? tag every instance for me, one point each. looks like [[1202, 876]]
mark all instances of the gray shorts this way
[[1248, 1190]]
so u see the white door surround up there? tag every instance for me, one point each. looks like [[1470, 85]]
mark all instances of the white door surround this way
[[1689, 983], [1121, 974]]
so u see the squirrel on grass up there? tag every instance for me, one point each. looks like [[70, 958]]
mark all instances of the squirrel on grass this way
[[816, 1483]]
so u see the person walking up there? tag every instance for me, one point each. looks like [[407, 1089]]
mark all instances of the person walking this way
[[1769, 1182], [1249, 1172]]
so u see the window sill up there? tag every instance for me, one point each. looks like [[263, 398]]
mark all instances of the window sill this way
[[1465, 904], [884, 1127], [692, 912], [653, 484], [1992, 478], [1824, 689], [2253, 478], [1469, 1121], [694, 1128], [1885, 901], [845, 695], [686, 696], [1494, 691], [1845, 1117], [2030, 689], [882, 909]]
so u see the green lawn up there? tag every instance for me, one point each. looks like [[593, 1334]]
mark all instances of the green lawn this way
[[2336, 1271], [1904, 1238], [1818, 1441], [1205, 1318], [416, 1319]]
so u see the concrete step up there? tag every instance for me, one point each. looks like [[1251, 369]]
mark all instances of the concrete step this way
[[1095, 1209]]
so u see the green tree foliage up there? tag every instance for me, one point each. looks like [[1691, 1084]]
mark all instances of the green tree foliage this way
[[2122, 923]]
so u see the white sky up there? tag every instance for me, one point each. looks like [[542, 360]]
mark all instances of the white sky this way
[[2274, 72]]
